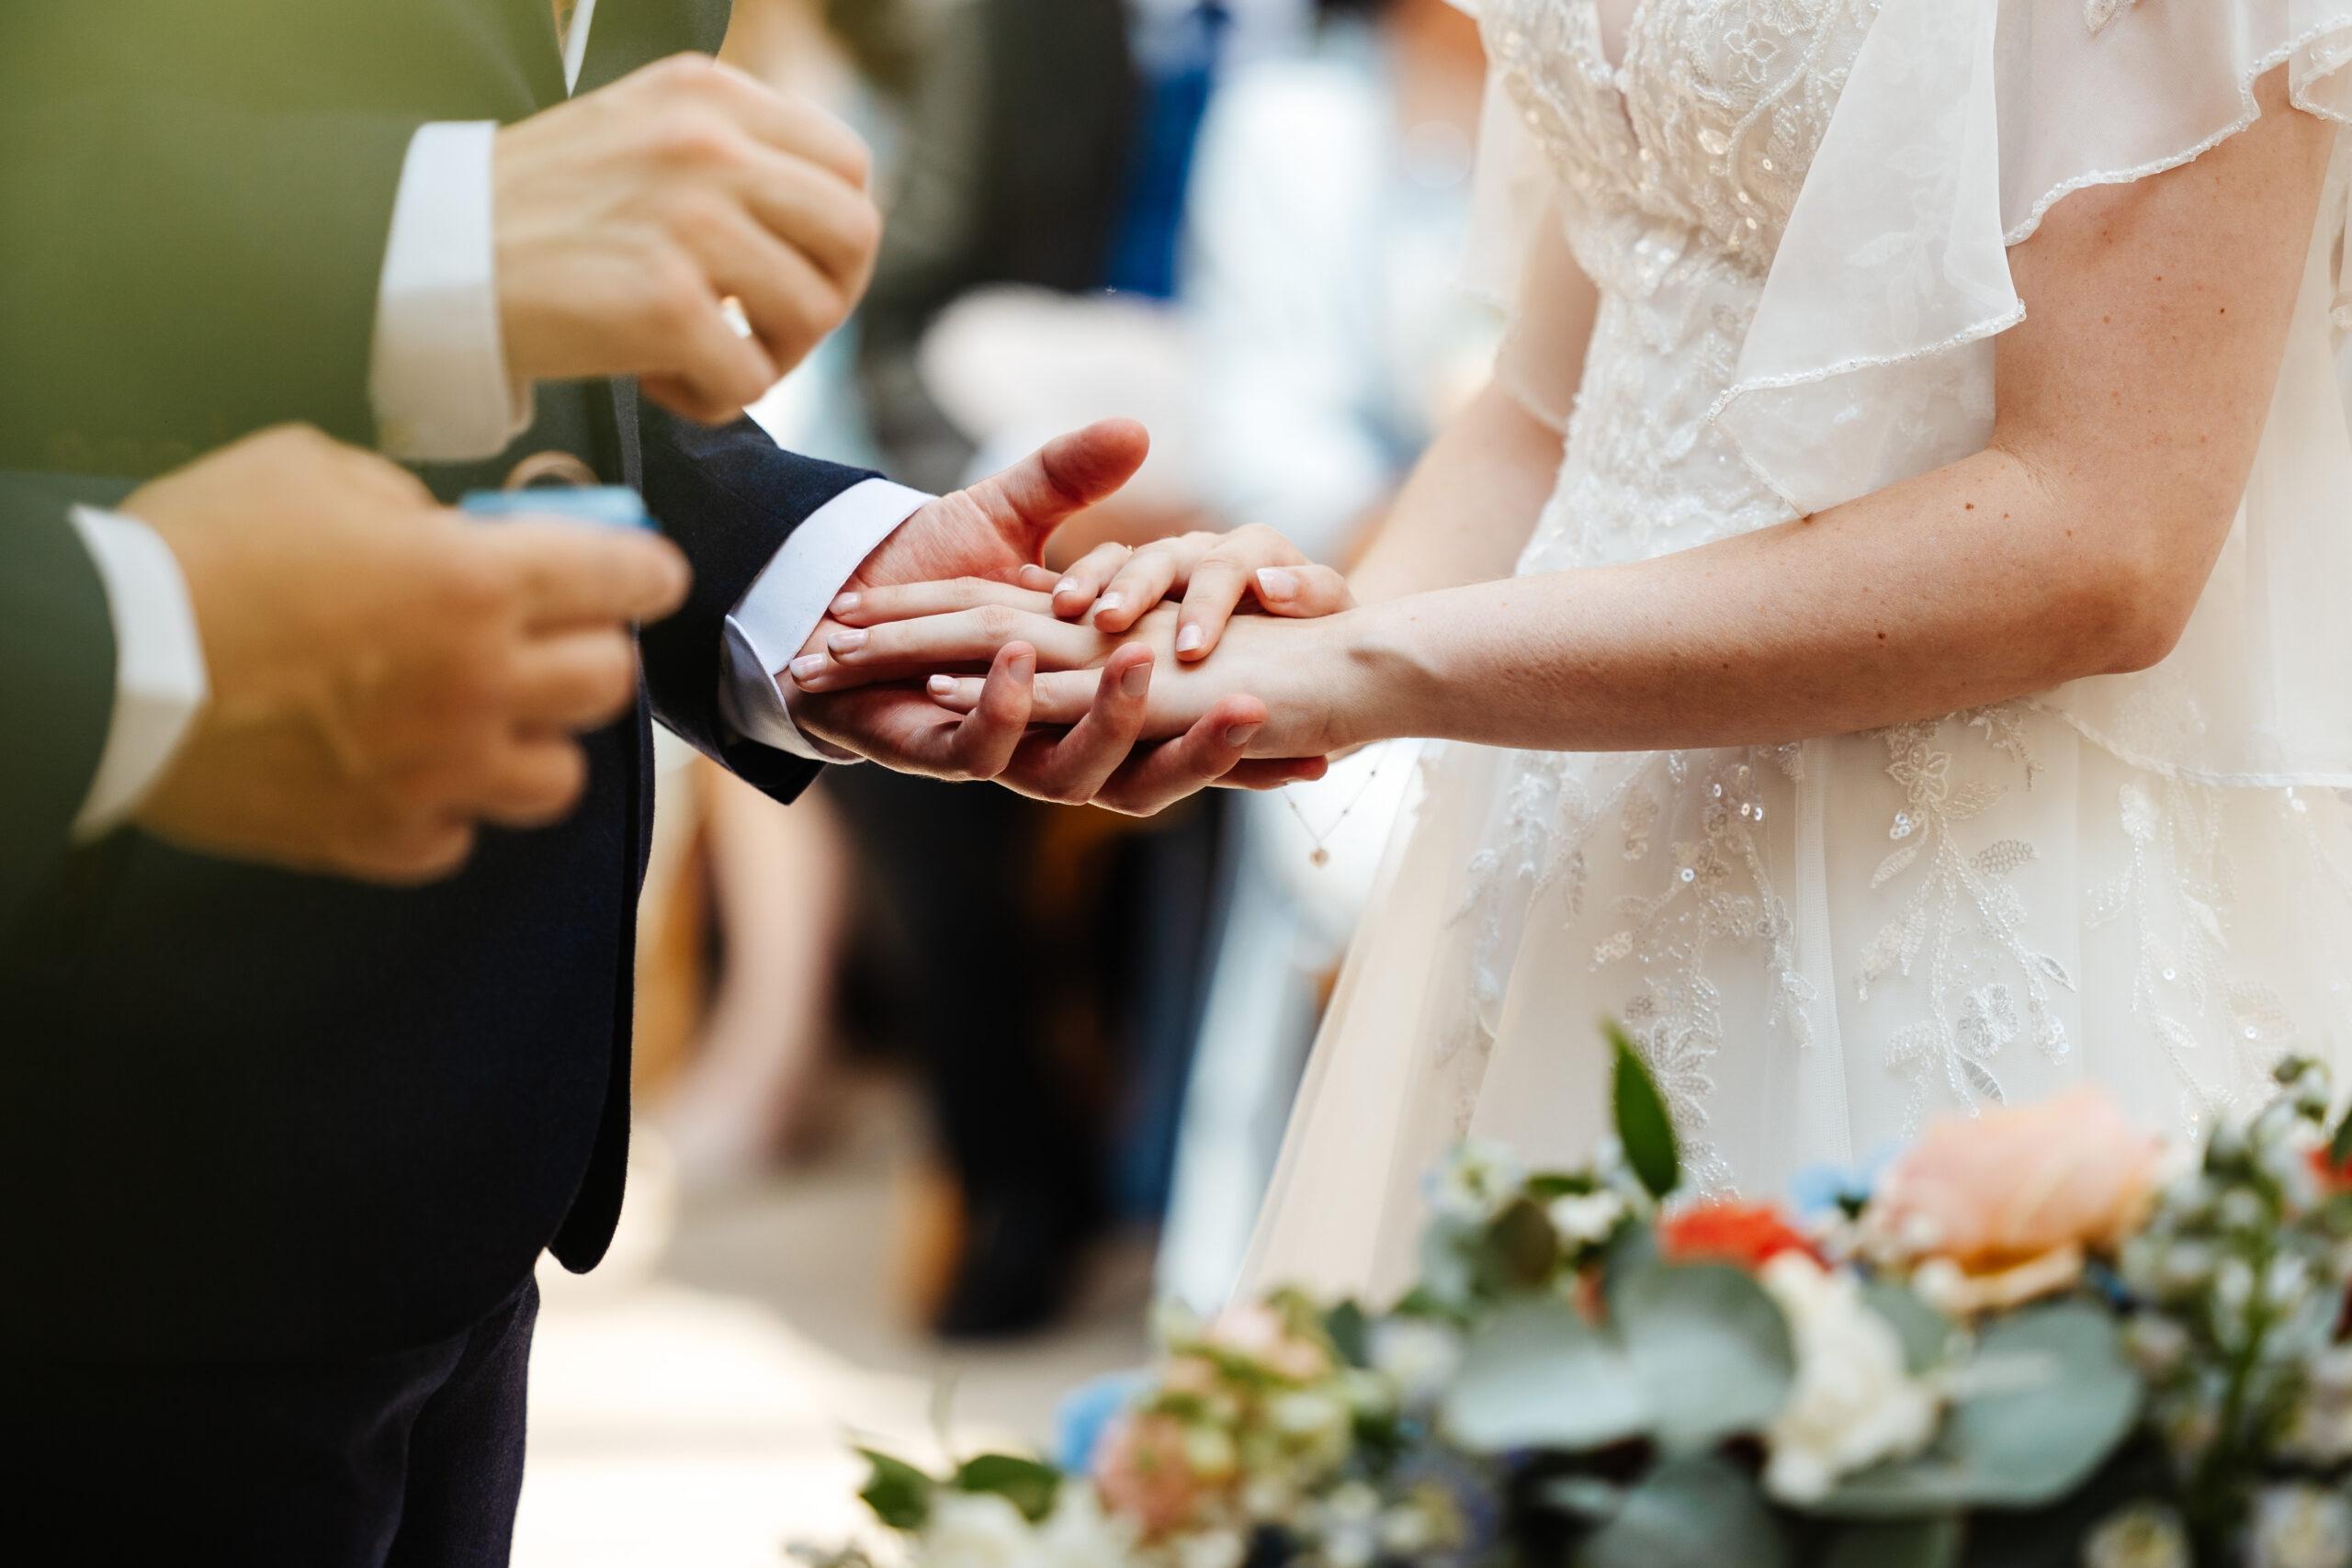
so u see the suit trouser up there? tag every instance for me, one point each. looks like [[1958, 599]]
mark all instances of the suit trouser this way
[[413, 1459]]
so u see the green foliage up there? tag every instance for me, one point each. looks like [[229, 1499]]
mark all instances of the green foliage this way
[[1536, 1375], [1926, 1333], [1709, 1348], [1644, 1128], [1694, 1353], [1697, 1512], [899, 1493], [1932, 1542], [1027, 1483]]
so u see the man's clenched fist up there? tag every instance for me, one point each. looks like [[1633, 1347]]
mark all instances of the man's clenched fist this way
[[626, 216], [386, 673]]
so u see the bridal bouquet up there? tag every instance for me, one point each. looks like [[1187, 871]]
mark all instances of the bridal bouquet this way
[[2021, 1342]]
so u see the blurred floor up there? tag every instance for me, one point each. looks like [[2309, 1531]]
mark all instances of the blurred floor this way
[[693, 1400]]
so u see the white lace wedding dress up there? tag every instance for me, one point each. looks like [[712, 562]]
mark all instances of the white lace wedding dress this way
[[2143, 880]]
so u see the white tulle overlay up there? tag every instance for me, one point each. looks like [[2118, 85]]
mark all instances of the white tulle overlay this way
[[1798, 214]]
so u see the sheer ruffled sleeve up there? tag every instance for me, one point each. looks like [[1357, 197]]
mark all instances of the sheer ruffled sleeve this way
[[1869, 358], [1514, 259]]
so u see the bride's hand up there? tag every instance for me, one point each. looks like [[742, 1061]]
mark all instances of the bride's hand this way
[[1210, 572], [1114, 586]]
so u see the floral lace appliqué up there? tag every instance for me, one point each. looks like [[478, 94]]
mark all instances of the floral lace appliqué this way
[[1987, 983]]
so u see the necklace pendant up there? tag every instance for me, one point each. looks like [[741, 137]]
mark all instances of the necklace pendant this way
[[1320, 857]]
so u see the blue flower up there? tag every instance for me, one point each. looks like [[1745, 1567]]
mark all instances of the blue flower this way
[[1820, 1189], [1084, 1411]]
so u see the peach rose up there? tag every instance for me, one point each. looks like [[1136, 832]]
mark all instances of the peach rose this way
[[1141, 1471], [1995, 1190]]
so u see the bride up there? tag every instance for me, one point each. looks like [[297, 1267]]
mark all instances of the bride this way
[[1890, 606]]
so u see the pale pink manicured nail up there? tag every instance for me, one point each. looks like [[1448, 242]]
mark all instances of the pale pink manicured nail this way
[[1108, 602], [941, 685], [849, 642], [1067, 585], [807, 665], [1190, 640], [1137, 682], [1239, 735], [1277, 582], [844, 604]]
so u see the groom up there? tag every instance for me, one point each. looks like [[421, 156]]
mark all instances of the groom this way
[[279, 1151]]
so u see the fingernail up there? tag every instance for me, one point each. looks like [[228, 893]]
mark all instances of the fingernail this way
[[1190, 640], [1237, 736], [1137, 682], [844, 604], [1277, 582], [1022, 664], [807, 665], [1067, 585], [1108, 602], [941, 685], [849, 642]]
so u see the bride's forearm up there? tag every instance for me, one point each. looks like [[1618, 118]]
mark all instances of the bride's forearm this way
[[1467, 511], [1962, 587]]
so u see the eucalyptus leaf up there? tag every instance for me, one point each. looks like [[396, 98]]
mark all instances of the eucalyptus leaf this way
[[899, 1493], [1926, 1333], [1027, 1483], [1537, 1376], [1644, 1128], [2053, 1399], [1892, 1543], [1709, 1345], [1689, 1513], [1581, 1496]]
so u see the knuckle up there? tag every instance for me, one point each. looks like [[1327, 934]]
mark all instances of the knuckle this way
[[693, 137], [995, 621]]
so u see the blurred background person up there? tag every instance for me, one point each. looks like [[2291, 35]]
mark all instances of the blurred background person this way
[[1328, 204]]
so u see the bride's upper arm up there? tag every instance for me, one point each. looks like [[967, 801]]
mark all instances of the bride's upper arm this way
[[2156, 313], [1542, 358]]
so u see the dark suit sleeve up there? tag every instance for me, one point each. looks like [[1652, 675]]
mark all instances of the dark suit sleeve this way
[[729, 498], [181, 273], [56, 686]]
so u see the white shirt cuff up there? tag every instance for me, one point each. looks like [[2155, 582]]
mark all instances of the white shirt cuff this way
[[159, 676], [438, 376], [783, 607]]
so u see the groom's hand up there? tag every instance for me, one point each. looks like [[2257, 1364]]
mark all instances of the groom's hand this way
[[626, 217], [992, 531], [384, 672]]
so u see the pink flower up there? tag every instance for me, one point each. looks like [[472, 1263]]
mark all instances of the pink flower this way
[[1257, 1332], [1141, 1471], [2005, 1188]]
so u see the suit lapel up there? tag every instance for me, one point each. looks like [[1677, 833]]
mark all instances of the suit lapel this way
[[625, 34]]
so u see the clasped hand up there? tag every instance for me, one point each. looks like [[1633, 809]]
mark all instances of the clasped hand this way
[[1061, 675]]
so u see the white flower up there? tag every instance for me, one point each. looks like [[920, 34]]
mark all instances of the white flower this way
[[1079, 1534], [1212, 1549], [1350, 1526], [977, 1529], [2139, 1535], [1475, 1180], [1586, 1217], [1418, 1355], [2300, 1527], [1853, 1404]]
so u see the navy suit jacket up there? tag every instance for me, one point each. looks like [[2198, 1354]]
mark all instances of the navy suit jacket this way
[[248, 1114]]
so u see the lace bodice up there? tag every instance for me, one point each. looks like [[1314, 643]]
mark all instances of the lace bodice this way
[[1710, 122], [1676, 171]]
